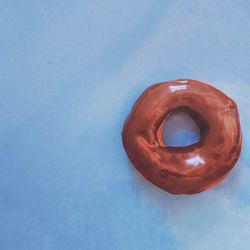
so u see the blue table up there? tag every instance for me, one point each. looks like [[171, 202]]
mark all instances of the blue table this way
[[69, 73]]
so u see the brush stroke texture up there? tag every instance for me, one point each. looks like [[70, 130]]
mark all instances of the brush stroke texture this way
[[69, 73]]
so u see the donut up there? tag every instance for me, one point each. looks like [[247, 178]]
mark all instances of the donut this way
[[193, 168]]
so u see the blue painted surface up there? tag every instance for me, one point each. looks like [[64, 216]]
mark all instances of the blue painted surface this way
[[179, 129], [69, 73]]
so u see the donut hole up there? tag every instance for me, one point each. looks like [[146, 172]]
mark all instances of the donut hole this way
[[179, 129]]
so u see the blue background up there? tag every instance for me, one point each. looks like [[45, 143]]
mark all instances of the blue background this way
[[69, 73]]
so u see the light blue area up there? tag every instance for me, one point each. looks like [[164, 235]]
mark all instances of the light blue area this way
[[179, 129], [69, 74]]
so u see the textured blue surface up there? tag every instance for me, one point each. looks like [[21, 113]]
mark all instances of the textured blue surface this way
[[69, 73]]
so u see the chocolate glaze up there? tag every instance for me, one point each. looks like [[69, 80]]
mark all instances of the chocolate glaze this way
[[190, 169]]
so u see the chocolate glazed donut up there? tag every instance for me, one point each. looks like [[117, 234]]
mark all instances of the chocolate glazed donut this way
[[190, 169]]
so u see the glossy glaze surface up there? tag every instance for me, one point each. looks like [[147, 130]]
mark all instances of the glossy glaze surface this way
[[191, 169]]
